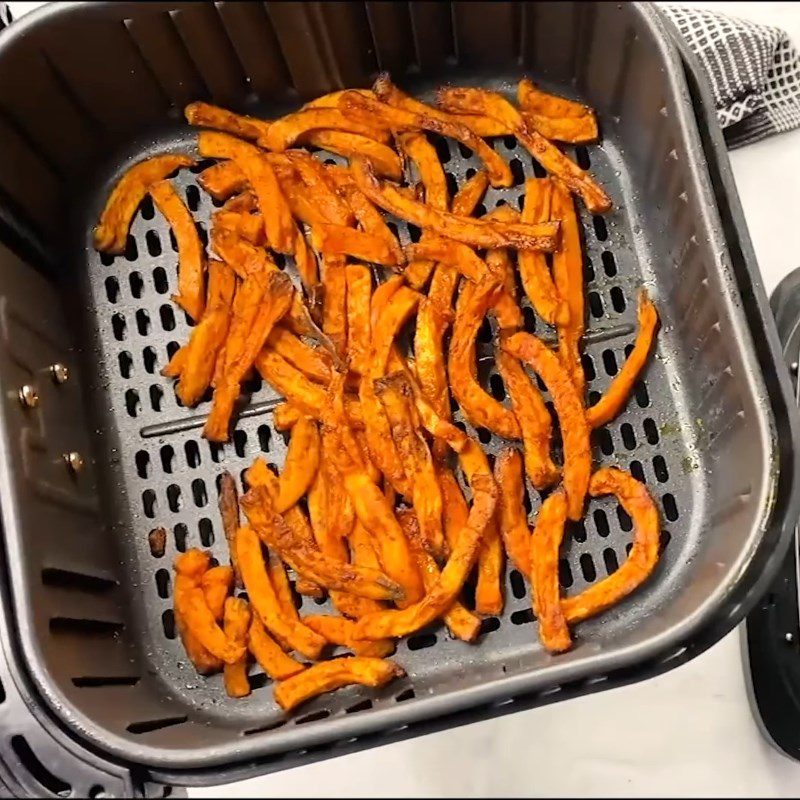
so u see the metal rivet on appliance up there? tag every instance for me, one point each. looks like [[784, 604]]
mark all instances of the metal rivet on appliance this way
[[74, 461], [59, 372], [28, 396]]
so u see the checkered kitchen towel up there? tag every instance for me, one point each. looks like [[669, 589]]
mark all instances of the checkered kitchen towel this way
[[754, 72]]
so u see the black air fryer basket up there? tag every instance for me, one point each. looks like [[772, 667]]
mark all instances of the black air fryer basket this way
[[708, 429]]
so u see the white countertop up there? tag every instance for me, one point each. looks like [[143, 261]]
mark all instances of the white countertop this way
[[689, 732]]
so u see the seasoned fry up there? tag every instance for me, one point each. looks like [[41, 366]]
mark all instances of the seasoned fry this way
[[320, 188], [333, 674], [556, 117], [534, 420], [338, 506], [223, 180], [474, 232], [311, 563], [206, 340], [313, 362], [305, 261], [216, 584], [511, 517], [423, 154], [479, 407], [339, 631], [397, 397], [359, 297], [454, 254], [461, 622], [260, 302], [111, 233], [635, 499], [283, 133], [331, 100], [175, 365], [285, 416], [205, 115], [613, 401], [249, 227], [334, 303], [572, 418], [237, 622], [268, 653], [533, 270], [338, 240], [568, 275], [278, 224], [491, 104], [456, 510], [383, 159], [264, 600], [244, 203], [300, 467], [544, 546], [191, 255]]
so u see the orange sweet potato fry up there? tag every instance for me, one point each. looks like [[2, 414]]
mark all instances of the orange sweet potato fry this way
[[249, 227], [237, 622], [544, 546], [199, 356], [417, 148], [320, 188], [456, 510], [339, 631], [265, 601], [260, 302], [283, 133], [300, 467], [479, 407], [534, 420], [474, 232], [491, 104], [511, 517], [216, 584], [191, 254], [223, 180], [175, 365], [635, 499], [205, 115], [556, 117], [285, 416], [334, 301], [306, 262], [383, 159], [268, 653], [308, 562], [278, 224], [568, 274], [498, 261], [359, 298], [447, 251], [313, 362], [339, 240], [229, 513], [331, 100], [362, 553], [533, 270], [243, 203], [613, 401], [111, 233], [330, 675], [569, 408]]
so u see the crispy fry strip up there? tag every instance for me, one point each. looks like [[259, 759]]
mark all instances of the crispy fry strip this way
[[300, 467], [572, 418], [417, 148], [447, 251], [111, 233], [613, 401], [249, 227], [339, 631], [191, 254], [237, 622], [216, 584], [264, 600], [206, 340], [546, 592], [511, 516], [383, 159], [338, 240], [474, 232], [333, 674], [223, 180], [479, 407], [359, 298], [534, 420], [278, 224], [491, 104], [556, 117], [205, 115], [313, 362], [320, 188], [285, 416], [283, 133], [269, 655], [334, 302], [635, 499]]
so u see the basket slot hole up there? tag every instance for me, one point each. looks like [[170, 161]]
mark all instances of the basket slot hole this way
[[489, 625], [162, 583], [147, 208], [149, 359], [609, 263], [160, 282], [118, 326], [610, 362], [106, 259], [641, 394], [538, 170], [670, 507], [587, 568], [628, 436], [497, 387], [215, 449], [465, 151], [125, 363], [153, 243], [132, 402], [181, 534], [485, 331], [85, 627], [664, 541], [588, 367], [610, 561], [579, 531], [150, 725], [406, 694], [257, 681], [112, 289], [168, 623], [239, 442], [192, 197], [452, 184], [98, 681], [522, 617], [651, 431], [172, 348], [131, 250], [660, 469], [279, 723], [422, 641], [167, 317], [68, 579], [54, 785], [199, 492], [470, 173], [526, 501], [142, 322], [156, 396], [173, 242], [529, 319], [142, 459], [617, 299], [601, 522], [264, 438], [313, 717], [363, 705], [565, 573], [192, 453], [637, 471], [605, 441], [518, 588], [136, 283], [595, 304], [517, 171], [206, 529], [588, 270], [582, 157], [174, 498], [442, 148], [625, 521], [149, 503], [600, 229]]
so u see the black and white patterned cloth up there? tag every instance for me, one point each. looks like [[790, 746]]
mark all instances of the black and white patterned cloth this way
[[754, 72]]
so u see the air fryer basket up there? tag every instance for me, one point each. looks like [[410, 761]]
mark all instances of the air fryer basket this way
[[105, 86]]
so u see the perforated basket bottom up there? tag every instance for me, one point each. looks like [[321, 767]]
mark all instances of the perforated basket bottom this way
[[165, 474]]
